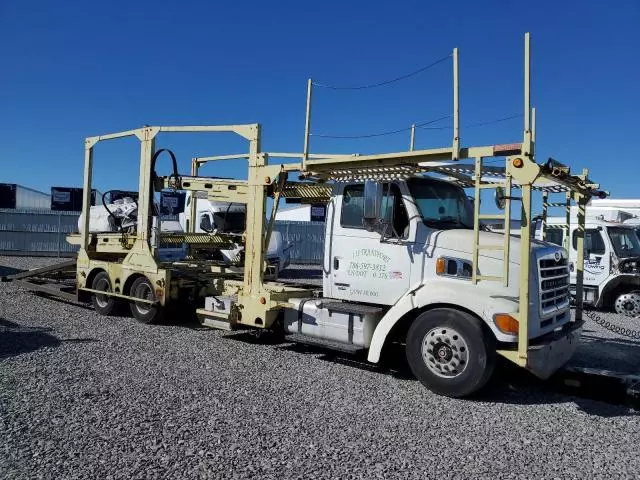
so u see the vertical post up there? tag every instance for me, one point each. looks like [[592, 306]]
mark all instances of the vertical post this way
[[527, 97], [525, 265], [456, 116], [145, 188], [507, 229], [533, 132], [582, 203], [59, 230], [307, 125], [256, 210], [567, 222], [476, 221], [86, 193], [191, 221], [545, 207], [412, 142]]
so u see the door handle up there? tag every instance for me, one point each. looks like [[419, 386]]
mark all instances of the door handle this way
[[336, 263]]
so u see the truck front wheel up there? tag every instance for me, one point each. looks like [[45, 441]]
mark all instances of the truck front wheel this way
[[628, 304], [449, 352]]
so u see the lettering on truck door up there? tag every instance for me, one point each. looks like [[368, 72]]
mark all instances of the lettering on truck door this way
[[596, 258], [364, 268]]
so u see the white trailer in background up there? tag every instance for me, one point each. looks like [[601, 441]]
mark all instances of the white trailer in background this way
[[294, 213]]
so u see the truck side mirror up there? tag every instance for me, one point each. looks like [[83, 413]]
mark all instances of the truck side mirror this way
[[372, 200], [500, 198]]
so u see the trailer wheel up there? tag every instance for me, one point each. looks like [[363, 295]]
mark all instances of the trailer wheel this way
[[104, 304], [142, 311], [449, 352], [628, 304]]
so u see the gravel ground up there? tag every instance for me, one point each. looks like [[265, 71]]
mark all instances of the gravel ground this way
[[82, 396]]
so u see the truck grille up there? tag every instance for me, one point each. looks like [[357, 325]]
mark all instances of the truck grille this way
[[554, 284]]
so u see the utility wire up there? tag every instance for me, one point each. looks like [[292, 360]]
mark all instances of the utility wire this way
[[381, 134], [472, 125], [386, 82]]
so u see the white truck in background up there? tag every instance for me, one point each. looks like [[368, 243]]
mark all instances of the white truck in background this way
[[212, 216], [611, 260]]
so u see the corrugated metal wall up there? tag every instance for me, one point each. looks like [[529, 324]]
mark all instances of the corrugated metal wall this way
[[36, 232], [43, 232]]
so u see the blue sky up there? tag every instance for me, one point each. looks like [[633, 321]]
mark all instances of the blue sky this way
[[72, 70]]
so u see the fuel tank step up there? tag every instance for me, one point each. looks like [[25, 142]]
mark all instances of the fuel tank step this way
[[319, 342]]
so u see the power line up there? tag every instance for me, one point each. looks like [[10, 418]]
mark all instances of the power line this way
[[386, 82], [381, 133], [481, 124]]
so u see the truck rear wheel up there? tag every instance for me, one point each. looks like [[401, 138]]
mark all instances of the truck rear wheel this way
[[449, 352], [628, 304], [145, 312], [104, 304]]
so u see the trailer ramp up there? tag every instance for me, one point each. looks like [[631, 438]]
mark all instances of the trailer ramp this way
[[57, 280]]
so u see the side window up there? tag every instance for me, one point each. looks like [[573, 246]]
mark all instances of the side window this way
[[593, 242], [554, 235], [205, 222], [352, 206], [392, 209]]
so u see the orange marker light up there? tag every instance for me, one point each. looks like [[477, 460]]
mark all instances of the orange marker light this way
[[518, 163], [262, 300], [440, 266], [506, 323]]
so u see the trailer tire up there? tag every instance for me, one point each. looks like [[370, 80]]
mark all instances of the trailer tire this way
[[450, 353], [145, 312], [103, 304]]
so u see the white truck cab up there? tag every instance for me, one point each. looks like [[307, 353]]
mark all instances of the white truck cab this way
[[611, 261], [409, 274]]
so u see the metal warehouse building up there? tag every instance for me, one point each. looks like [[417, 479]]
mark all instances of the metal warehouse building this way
[[17, 196]]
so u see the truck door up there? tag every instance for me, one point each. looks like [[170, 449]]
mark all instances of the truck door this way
[[596, 257], [363, 266]]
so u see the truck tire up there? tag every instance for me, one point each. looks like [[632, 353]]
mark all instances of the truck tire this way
[[450, 353], [103, 304], [142, 311], [628, 303]]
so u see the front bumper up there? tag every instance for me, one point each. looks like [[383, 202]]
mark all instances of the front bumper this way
[[549, 353]]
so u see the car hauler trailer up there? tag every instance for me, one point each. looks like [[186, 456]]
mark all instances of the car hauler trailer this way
[[405, 254]]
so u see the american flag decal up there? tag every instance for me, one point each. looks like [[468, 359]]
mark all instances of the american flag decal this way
[[395, 275]]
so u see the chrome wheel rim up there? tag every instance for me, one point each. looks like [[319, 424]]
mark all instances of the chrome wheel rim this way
[[445, 352], [628, 304]]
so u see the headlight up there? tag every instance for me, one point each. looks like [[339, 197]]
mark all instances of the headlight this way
[[630, 266], [454, 267]]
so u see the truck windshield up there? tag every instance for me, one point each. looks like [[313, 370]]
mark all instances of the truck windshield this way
[[441, 205], [625, 241]]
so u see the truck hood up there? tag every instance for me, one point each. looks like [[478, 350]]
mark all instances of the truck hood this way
[[461, 241]]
